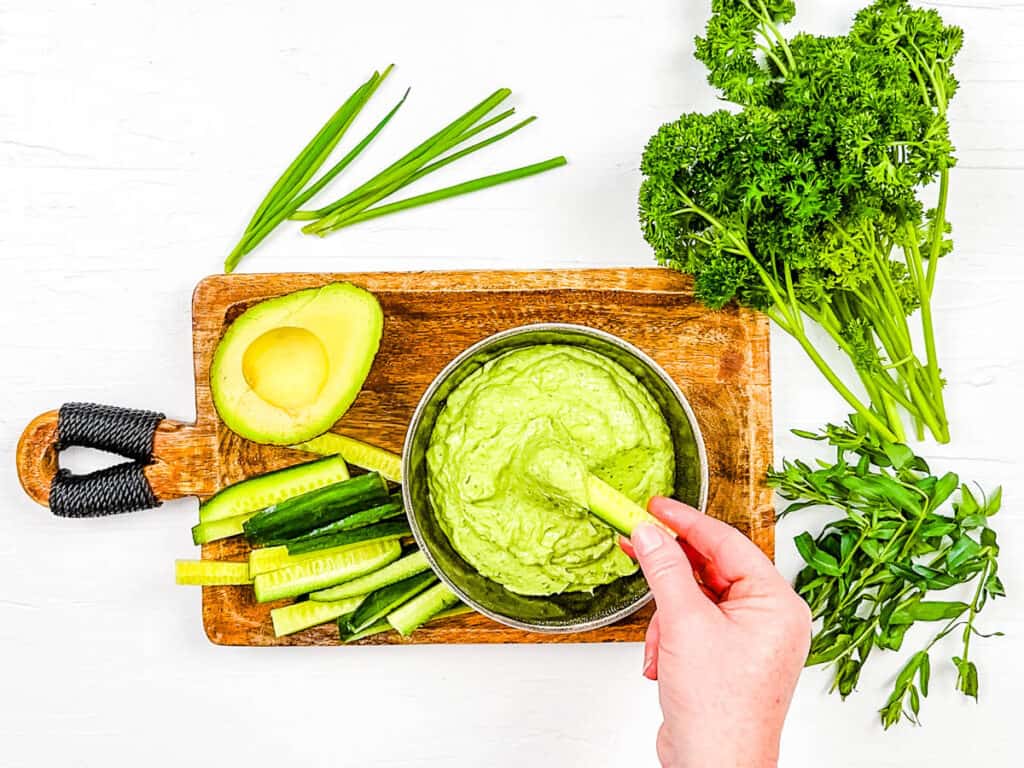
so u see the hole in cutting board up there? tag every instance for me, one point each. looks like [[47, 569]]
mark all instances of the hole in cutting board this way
[[82, 461]]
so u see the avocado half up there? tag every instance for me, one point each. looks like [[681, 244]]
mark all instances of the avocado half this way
[[288, 368]]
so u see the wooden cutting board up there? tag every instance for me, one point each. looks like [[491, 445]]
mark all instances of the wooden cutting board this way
[[719, 360]]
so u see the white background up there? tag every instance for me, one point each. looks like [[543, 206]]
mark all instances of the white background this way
[[135, 138]]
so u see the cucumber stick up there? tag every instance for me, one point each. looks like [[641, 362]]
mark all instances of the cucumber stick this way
[[383, 601], [406, 567], [266, 559], [299, 616], [356, 452], [327, 570], [458, 610], [266, 490], [222, 528], [383, 626], [373, 629], [421, 609], [209, 573], [391, 529], [301, 514], [389, 510], [615, 508]]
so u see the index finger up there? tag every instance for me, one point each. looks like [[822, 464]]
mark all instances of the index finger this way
[[733, 556]]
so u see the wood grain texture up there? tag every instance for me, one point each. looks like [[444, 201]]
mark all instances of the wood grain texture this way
[[719, 359]]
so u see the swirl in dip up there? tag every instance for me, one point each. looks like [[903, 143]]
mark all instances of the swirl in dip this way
[[508, 455]]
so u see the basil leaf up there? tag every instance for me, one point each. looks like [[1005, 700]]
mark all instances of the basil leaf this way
[[994, 502], [963, 549], [932, 610], [944, 488]]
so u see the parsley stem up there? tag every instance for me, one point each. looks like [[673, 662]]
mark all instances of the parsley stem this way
[[877, 424], [794, 325]]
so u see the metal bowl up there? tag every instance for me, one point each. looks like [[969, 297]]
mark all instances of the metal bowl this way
[[569, 612]]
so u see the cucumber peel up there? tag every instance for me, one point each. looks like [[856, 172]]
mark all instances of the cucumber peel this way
[[272, 488], [407, 617], [391, 529], [383, 625], [298, 515], [389, 510], [385, 600]]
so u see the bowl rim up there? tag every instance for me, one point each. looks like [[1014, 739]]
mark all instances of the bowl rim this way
[[442, 377]]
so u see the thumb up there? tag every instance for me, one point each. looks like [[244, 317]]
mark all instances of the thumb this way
[[668, 571]]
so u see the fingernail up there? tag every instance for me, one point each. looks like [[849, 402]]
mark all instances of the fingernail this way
[[646, 538], [648, 663]]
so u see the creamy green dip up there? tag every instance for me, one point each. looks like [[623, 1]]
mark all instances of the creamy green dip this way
[[507, 457]]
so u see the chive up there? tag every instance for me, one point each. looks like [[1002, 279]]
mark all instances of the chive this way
[[286, 208], [328, 136], [290, 192], [393, 171], [309, 160], [453, 191], [469, 150], [326, 223]]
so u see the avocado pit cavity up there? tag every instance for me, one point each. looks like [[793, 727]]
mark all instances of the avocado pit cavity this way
[[286, 367]]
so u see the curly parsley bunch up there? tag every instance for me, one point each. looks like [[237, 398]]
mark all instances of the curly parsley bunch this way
[[806, 202]]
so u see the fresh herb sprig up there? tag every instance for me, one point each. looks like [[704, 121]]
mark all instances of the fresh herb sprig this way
[[870, 572], [805, 203], [290, 193]]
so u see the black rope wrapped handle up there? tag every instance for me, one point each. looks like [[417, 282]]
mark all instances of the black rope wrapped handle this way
[[127, 432]]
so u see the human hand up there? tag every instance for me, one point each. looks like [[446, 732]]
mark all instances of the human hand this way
[[726, 644]]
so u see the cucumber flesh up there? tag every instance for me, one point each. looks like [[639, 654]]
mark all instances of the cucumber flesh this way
[[356, 452], [273, 487], [615, 508], [407, 617], [406, 567], [383, 601], [209, 573], [383, 625], [301, 514], [266, 559], [389, 510], [325, 571], [392, 529], [222, 528], [299, 616]]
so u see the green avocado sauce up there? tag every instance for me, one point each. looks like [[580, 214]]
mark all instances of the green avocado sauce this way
[[507, 458]]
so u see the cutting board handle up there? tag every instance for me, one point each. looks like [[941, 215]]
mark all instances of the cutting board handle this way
[[166, 460]]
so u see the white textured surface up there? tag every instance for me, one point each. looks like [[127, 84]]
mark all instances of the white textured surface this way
[[135, 136]]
